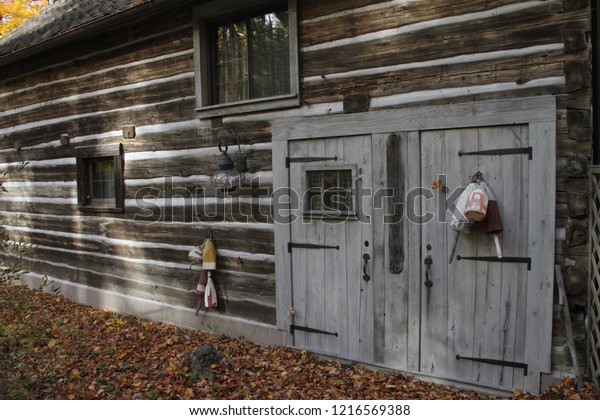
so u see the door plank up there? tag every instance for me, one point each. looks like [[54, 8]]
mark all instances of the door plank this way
[[315, 266], [461, 274], [298, 260], [366, 228], [434, 311], [354, 264], [336, 301], [513, 208], [414, 272], [283, 269], [377, 248], [542, 170], [396, 288], [489, 275]]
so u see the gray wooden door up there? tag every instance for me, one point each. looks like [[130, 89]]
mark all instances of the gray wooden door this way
[[330, 234], [475, 309]]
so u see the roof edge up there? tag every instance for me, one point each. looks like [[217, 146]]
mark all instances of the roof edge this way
[[141, 11]]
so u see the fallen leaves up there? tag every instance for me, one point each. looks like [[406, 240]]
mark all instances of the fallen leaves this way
[[86, 353], [564, 390]]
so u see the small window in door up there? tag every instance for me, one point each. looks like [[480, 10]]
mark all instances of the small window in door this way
[[328, 192]]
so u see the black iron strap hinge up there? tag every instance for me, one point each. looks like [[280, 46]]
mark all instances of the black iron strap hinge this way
[[310, 330], [493, 152], [518, 260], [311, 246], [289, 160], [496, 362]]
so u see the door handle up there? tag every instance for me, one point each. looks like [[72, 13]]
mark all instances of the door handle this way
[[428, 263], [366, 258]]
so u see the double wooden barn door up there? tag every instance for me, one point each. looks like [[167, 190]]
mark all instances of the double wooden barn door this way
[[364, 270]]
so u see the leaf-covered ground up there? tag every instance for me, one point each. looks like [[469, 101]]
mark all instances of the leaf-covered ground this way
[[51, 348]]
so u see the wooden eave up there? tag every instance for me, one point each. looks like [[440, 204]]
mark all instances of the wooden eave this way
[[115, 21]]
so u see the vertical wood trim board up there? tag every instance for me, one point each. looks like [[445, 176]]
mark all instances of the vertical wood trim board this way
[[542, 176]]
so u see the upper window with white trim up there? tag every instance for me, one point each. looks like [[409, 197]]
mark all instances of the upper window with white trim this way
[[246, 56]]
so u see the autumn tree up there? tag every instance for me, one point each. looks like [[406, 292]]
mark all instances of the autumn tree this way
[[14, 12]]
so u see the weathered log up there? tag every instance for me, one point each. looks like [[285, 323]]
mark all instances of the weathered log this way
[[578, 75], [577, 234], [575, 277], [577, 166], [579, 124], [578, 204]]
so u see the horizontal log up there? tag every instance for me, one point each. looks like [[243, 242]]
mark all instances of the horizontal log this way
[[536, 26], [446, 76], [249, 238], [371, 19], [249, 307], [160, 90], [579, 99], [232, 283], [176, 135], [257, 160], [69, 190], [58, 173], [148, 212], [157, 67], [435, 97], [314, 8], [180, 109], [192, 189], [144, 253]]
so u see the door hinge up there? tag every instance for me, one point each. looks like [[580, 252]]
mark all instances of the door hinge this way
[[496, 362], [311, 246], [519, 260], [289, 160], [492, 152], [294, 328]]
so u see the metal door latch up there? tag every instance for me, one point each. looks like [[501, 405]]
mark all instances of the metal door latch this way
[[428, 263], [366, 258]]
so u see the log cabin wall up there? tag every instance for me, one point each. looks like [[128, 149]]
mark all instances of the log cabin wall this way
[[142, 76], [411, 53], [398, 53]]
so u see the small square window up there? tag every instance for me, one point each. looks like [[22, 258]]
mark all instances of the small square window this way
[[246, 58], [100, 185], [328, 192]]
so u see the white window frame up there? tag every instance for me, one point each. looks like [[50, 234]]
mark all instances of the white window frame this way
[[204, 109]]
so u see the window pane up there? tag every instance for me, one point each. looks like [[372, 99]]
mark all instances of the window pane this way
[[329, 191], [102, 178], [251, 57], [231, 66], [269, 55]]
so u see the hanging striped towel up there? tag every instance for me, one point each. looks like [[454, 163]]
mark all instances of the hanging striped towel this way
[[210, 297], [201, 287]]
